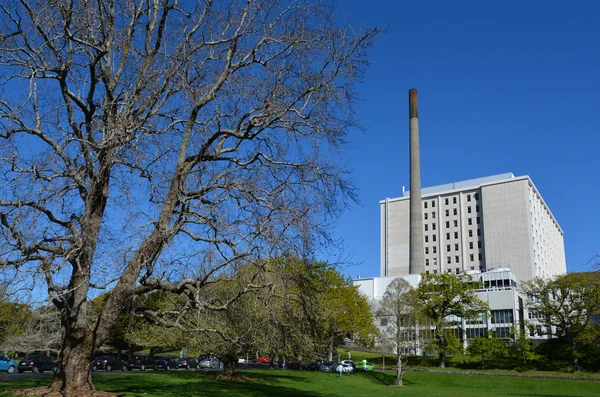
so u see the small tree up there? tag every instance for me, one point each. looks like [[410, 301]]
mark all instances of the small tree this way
[[567, 304], [401, 331], [522, 348], [489, 345], [444, 295]]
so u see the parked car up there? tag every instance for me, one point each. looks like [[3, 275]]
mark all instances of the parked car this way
[[296, 365], [241, 361], [164, 362], [187, 363], [109, 363], [139, 361], [314, 366], [37, 363], [328, 366], [209, 362], [348, 365], [364, 366], [264, 360], [6, 364]]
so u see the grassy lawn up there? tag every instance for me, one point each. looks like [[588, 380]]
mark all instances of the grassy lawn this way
[[305, 383]]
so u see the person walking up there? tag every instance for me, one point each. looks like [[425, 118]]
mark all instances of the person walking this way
[[340, 369]]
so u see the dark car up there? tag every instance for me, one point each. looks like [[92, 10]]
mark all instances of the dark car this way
[[139, 361], [296, 365], [37, 363], [164, 362], [187, 363], [109, 363], [314, 366], [328, 366]]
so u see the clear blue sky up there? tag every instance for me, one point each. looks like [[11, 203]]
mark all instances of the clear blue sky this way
[[504, 86]]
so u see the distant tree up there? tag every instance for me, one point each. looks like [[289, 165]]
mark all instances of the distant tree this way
[[486, 346], [39, 330], [403, 322], [444, 295], [567, 304], [521, 347]]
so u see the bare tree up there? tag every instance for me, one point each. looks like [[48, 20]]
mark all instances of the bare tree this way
[[41, 333], [154, 144], [401, 323]]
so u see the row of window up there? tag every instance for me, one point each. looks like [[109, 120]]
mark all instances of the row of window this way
[[447, 201], [434, 238]]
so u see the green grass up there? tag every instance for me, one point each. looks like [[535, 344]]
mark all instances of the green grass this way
[[319, 384]]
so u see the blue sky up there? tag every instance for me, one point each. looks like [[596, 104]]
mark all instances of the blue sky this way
[[504, 86]]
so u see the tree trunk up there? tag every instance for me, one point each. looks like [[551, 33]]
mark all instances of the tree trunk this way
[[331, 349], [574, 357], [229, 362], [442, 351], [74, 377], [399, 371]]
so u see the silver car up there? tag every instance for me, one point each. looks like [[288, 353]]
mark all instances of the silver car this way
[[209, 362]]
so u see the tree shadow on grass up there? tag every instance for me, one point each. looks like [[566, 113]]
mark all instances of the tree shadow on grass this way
[[190, 384], [384, 378]]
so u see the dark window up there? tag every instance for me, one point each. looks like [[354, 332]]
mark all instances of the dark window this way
[[502, 316], [434, 248], [471, 257], [456, 259], [447, 234], [447, 212], [457, 270], [433, 226], [425, 215], [470, 233], [426, 239], [434, 271], [432, 204], [468, 210], [447, 225], [446, 201], [470, 221], [468, 197], [433, 215], [479, 244], [453, 200], [426, 271], [434, 237], [426, 262], [425, 204], [455, 211], [455, 223], [470, 244], [448, 260], [479, 232], [448, 248], [477, 208], [478, 220], [426, 250], [455, 247], [476, 195], [455, 234], [426, 227], [480, 256]]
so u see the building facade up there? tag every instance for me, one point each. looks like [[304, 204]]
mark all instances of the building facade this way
[[499, 221]]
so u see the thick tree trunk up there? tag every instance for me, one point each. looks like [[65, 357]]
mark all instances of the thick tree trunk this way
[[74, 377], [330, 358], [442, 351], [229, 362]]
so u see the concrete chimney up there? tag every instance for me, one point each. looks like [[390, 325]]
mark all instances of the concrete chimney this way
[[416, 263]]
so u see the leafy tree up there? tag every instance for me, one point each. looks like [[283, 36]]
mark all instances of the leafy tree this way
[[522, 347], [150, 145], [567, 303], [403, 322], [444, 295], [489, 345]]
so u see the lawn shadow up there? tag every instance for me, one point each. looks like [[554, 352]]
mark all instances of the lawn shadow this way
[[384, 378]]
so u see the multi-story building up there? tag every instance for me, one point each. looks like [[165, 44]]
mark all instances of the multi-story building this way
[[478, 224]]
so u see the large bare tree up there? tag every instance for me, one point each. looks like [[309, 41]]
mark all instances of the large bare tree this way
[[154, 144]]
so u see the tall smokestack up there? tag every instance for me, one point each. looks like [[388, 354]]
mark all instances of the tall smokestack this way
[[417, 257]]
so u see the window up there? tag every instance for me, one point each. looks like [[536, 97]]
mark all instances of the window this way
[[426, 227], [448, 248], [480, 256], [468, 197], [434, 248], [453, 200], [468, 210], [449, 270], [472, 267], [448, 260], [455, 223], [457, 270], [448, 225], [427, 250], [455, 234], [425, 215], [502, 316], [433, 215], [383, 321], [470, 233], [434, 271], [433, 226], [426, 262], [426, 239], [446, 201], [472, 258], [455, 247], [470, 243], [479, 232], [477, 208], [455, 211], [447, 212], [470, 221], [432, 204], [456, 259], [427, 272], [425, 204], [478, 220], [434, 237], [479, 244], [476, 195], [447, 234]]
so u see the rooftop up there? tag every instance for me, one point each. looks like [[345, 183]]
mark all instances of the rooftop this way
[[469, 183]]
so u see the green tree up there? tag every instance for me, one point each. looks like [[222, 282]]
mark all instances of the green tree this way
[[522, 348], [444, 295], [489, 345], [567, 304]]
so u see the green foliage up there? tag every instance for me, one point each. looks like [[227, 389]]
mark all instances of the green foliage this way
[[442, 295], [489, 345]]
